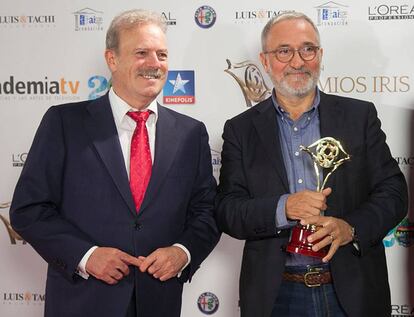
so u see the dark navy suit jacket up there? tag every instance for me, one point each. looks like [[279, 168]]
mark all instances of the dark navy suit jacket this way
[[369, 192], [74, 193]]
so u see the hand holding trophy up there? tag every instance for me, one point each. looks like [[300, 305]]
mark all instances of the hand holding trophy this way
[[326, 153]]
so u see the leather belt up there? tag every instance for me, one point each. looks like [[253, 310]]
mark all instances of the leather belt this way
[[313, 278]]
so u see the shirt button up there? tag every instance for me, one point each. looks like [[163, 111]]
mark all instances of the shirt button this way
[[296, 153], [300, 180], [295, 129]]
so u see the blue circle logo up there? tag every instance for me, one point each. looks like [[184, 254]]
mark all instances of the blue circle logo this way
[[205, 17], [208, 303]]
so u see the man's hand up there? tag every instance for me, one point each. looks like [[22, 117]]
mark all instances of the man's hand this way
[[333, 231], [164, 263], [110, 265], [306, 203]]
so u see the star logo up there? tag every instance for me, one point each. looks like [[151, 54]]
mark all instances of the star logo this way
[[179, 88], [178, 84]]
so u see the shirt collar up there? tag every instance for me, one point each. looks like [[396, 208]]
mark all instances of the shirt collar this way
[[120, 108], [281, 112]]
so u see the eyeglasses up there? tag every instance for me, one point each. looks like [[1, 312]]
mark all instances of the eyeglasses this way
[[285, 54]]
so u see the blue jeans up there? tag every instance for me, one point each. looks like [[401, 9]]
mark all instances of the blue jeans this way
[[297, 300]]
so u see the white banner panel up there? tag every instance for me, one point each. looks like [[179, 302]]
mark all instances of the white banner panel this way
[[52, 53]]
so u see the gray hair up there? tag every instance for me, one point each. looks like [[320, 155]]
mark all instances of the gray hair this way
[[289, 15], [129, 19]]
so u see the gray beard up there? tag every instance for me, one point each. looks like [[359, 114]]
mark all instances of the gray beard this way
[[284, 89]]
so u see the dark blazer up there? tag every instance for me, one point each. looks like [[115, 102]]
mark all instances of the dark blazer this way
[[369, 192], [74, 193]]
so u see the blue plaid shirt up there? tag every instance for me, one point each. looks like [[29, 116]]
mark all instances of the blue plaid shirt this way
[[298, 164]]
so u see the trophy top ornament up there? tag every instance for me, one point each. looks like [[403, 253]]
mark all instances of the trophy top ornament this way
[[327, 153]]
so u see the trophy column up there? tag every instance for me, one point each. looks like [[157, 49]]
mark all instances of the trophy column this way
[[326, 153]]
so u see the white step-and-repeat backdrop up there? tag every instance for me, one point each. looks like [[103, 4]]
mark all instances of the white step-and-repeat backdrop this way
[[52, 52]]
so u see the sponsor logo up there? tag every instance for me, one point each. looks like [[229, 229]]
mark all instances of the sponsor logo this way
[[402, 311], [250, 79], [88, 19], [403, 235], [18, 159], [180, 87], [405, 162], [363, 84], [256, 16], [208, 303], [39, 89], [216, 162], [14, 237], [205, 17], [28, 298], [168, 18], [99, 85], [27, 20], [60, 89], [332, 14], [391, 12]]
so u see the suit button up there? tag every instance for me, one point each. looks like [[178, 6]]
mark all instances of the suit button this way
[[137, 226]]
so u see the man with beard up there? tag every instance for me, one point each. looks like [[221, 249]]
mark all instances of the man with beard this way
[[267, 184], [117, 194]]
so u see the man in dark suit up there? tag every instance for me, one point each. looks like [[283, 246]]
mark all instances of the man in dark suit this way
[[267, 184], [117, 194]]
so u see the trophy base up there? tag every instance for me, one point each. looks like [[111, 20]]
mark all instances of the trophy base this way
[[299, 243]]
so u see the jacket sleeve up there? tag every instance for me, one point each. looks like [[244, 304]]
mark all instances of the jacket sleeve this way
[[387, 197], [239, 211], [34, 212], [201, 233]]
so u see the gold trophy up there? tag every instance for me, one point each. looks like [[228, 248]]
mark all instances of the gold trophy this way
[[326, 153]]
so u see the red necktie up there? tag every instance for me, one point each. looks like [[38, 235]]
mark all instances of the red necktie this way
[[140, 161]]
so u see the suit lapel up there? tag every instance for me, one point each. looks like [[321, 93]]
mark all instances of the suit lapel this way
[[166, 144], [330, 116], [101, 127], [331, 125], [268, 131]]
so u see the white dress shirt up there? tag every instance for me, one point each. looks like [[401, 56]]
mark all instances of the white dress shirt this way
[[125, 127]]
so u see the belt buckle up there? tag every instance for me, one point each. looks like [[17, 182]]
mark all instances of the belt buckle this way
[[312, 271]]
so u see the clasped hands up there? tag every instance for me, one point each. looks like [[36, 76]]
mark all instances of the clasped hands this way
[[110, 265], [306, 207]]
